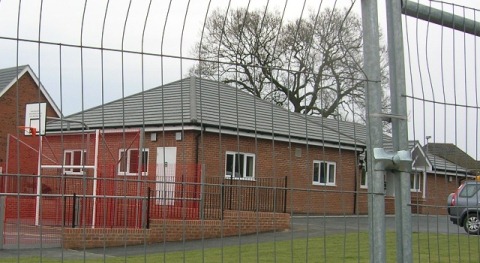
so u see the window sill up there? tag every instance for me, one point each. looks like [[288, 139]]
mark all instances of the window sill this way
[[73, 173], [240, 178], [131, 174], [319, 184]]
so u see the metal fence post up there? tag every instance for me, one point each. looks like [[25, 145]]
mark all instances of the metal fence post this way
[[440, 17], [74, 208], [2, 219], [148, 208], [403, 221], [202, 191], [375, 179]]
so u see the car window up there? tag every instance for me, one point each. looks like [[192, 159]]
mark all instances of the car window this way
[[469, 190]]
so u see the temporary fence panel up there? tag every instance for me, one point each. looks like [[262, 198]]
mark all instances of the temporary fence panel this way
[[441, 45], [236, 131]]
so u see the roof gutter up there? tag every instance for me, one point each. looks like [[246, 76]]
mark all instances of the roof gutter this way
[[287, 139]]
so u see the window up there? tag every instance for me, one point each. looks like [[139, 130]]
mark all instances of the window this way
[[363, 178], [129, 160], [74, 157], [240, 165], [469, 190], [324, 173], [416, 182]]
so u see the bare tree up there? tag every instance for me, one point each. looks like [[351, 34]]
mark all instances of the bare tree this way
[[311, 65]]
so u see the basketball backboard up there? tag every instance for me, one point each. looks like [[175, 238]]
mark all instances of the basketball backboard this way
[[36, 117]]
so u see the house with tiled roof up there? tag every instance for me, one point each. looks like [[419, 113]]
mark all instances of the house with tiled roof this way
[[174, 141], [210, 131], [455, 155], [200, 149], [432, 179], [20, 86]]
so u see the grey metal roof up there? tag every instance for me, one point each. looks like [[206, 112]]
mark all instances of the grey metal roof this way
[[7, 75], [195, 101]]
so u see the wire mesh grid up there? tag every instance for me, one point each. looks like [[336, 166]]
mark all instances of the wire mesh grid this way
[[229, 131]]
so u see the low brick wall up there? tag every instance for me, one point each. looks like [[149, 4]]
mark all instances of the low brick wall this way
[[78, 238], [234, 223]]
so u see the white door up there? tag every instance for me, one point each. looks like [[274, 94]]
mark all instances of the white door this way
[[166, 162]]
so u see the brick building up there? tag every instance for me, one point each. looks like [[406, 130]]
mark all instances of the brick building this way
[[196, 130], [20, 86], [435, 175], [201, 128], [193, 142]]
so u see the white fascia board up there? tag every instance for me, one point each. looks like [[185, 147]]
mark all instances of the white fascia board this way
[[173, 128], [91, 131], [127, 130], [418, 146], [224, 131], [284, 139], [440, 173], [20, 74], [39, 85]]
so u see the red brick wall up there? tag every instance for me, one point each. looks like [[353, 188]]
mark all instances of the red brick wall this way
[[234, 223], [278, 160], [25, 207], [10, 110], [438, 187], [273, 160]]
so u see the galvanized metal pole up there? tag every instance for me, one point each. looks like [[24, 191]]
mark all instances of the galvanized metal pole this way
[[403, 221], [440, 17], [2, 219], [371, 68]]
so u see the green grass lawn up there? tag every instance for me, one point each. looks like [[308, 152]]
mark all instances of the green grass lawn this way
[[352, 247]]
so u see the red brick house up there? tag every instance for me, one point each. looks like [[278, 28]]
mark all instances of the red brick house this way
[[434, 177], [20, 86], [181, 138], [198, 149]]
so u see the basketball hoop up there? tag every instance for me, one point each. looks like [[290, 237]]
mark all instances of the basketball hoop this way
[[29, 130]]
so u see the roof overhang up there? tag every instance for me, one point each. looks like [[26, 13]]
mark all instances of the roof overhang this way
[[419, 155], [222, 130], [28, 70]]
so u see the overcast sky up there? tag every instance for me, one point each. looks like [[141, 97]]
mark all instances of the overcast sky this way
[[443, 66], [73, 77]]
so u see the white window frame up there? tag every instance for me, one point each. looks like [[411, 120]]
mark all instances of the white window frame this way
[[128, 161], [328, 165], [70, 170], [416, 177], [246, 157]]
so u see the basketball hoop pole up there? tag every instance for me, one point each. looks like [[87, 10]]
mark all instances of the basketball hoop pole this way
[[39, 182]]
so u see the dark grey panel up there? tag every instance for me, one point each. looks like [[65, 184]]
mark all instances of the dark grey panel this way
[[7, 75]]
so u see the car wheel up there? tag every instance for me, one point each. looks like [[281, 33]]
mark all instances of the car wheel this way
[[472, 224]]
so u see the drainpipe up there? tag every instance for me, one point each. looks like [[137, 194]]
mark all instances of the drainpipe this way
[[6, 162], [197, 150], [355, 193]]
